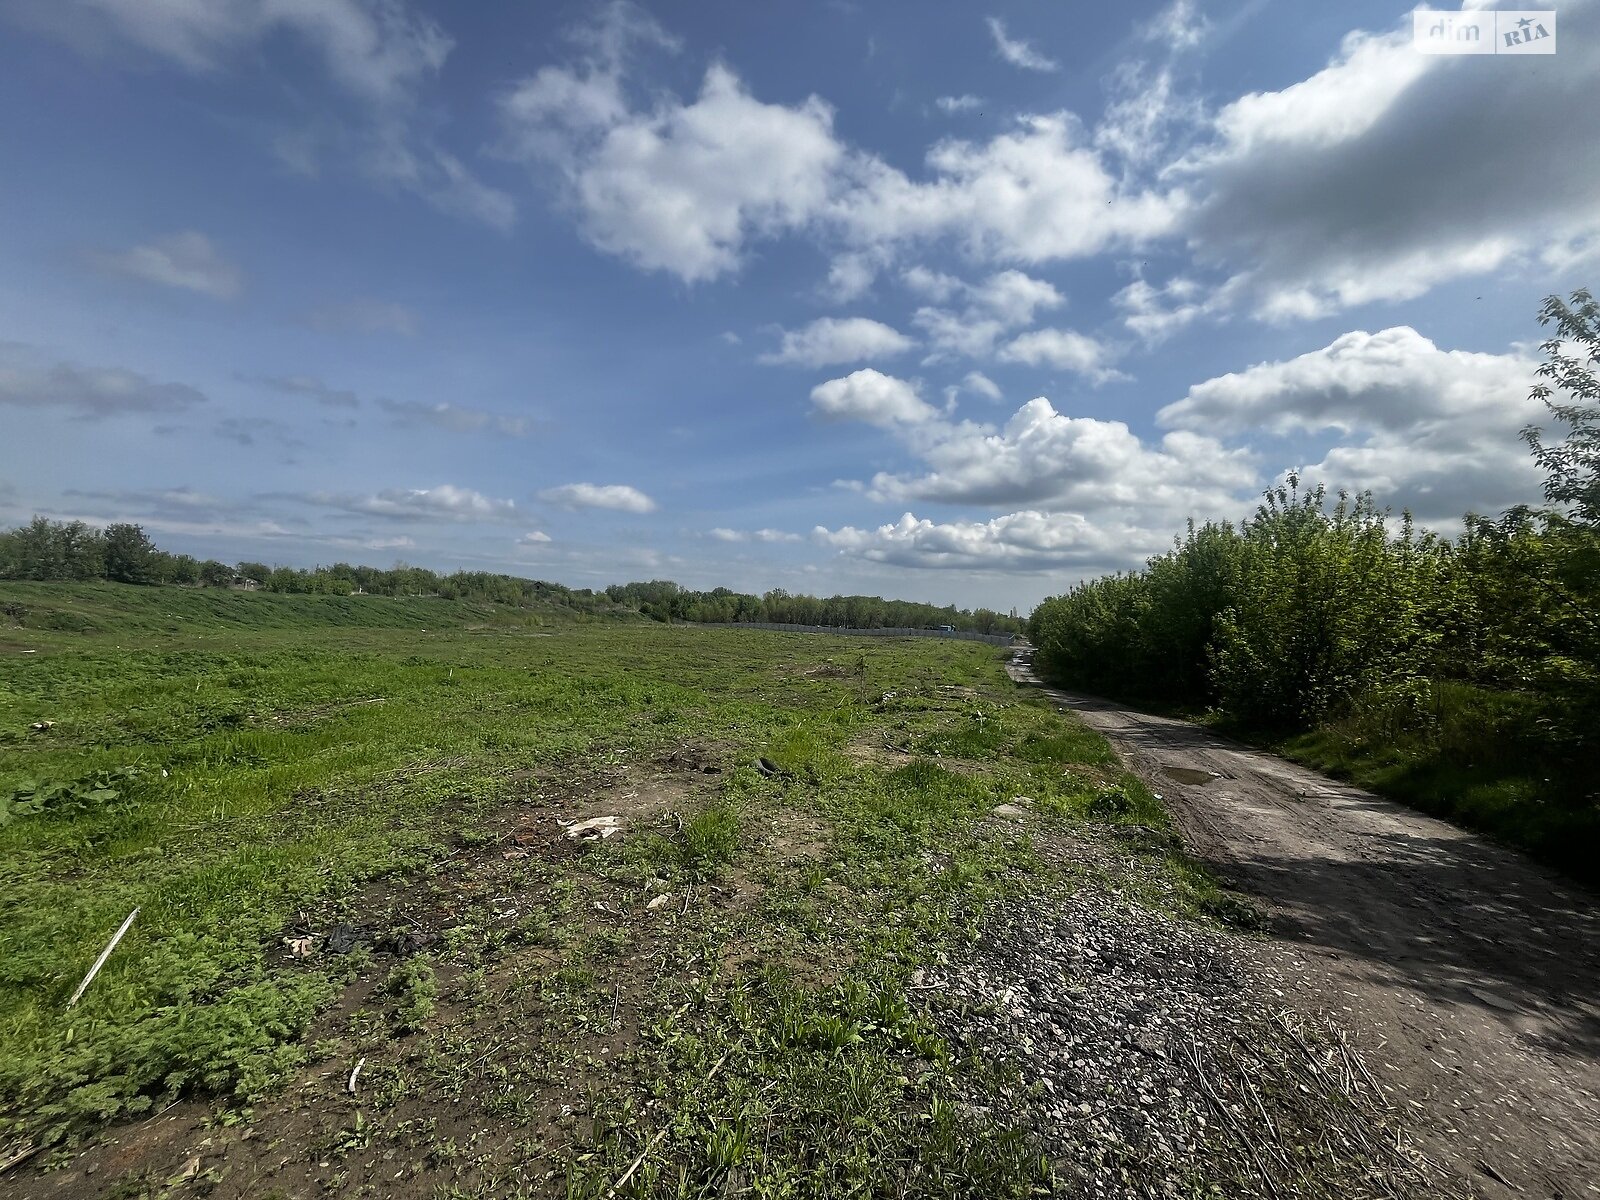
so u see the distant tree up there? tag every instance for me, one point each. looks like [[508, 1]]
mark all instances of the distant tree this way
[[215, 574], [130, 554], [260, 572], [182, 569]]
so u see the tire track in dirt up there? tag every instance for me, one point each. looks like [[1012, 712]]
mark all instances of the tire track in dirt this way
[[1469, 975]]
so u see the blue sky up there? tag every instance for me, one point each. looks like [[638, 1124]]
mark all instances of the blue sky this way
[[942, 301]]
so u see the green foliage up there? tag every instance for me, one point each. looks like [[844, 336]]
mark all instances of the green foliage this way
[[1324, 619], [131, 557], [709, 838], [103, 791], [413, 989], [45, 550], [1572, 359], [663, 600]]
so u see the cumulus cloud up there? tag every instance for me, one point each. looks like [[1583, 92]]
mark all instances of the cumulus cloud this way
[[617, 497], [871, 396], [186, 260], [28, 380], [1389, 172], [1064, 349], [683, 186], [679, 187], [1035, 193], [1041, 456], [1018, 51], [831, 340], [1432, 430], [534, 537], [1021, 541], [956, 104]]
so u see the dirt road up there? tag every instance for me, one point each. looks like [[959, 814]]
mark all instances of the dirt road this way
[[1469, 976]]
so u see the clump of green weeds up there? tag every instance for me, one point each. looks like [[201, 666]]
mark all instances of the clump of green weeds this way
[[413, 988]]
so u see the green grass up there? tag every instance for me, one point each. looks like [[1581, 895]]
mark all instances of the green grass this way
[[280, 762], [1479, 758]]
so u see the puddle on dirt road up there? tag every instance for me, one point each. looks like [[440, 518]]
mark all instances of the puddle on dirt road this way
[[1190, 775]]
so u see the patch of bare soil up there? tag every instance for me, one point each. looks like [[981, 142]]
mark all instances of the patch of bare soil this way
[[1467, 974], [543, 971]]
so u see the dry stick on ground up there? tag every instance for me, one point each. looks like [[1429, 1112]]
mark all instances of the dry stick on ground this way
[[101, 961], [350, 1086]]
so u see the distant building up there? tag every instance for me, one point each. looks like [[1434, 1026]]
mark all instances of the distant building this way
[[243, 583]]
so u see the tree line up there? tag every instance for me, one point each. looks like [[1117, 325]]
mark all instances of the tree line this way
[[124, 553], [1322, 610], [664, 600]]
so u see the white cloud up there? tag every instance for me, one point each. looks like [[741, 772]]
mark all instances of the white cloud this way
[[1021, 541], [1389, 379], [1179, 26], [186, 260], [1155, 313], [1043, 457], [443, 503], [365, 316], [754, 535], [1032, 194], [831, 340], [999, 303], [1145, 113], [27, 380], [617, 497], [851, 275], [934, 285], [1429, 429], [1018, 51], [681, 187], [1389, 172], [977, 381], [684, 186], [873, 397], [1064, 349], [956, 104], [534, 537]]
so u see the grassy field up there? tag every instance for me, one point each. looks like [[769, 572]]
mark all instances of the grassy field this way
[[369, 954]]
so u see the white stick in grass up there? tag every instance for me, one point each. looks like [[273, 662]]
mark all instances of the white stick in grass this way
[[101, 961]]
